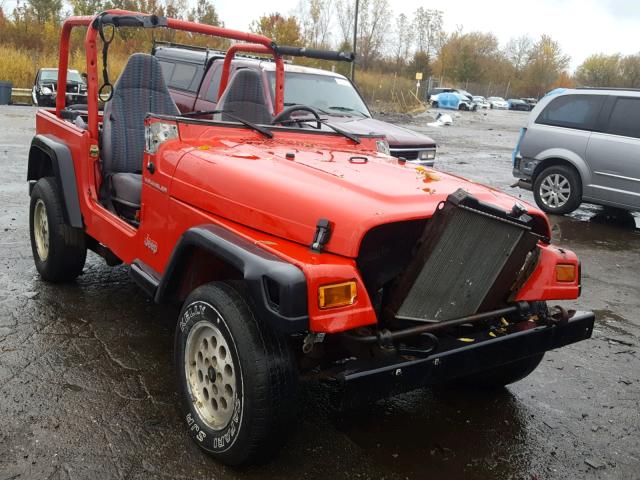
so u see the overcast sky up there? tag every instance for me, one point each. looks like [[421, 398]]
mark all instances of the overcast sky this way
[[582, 27]]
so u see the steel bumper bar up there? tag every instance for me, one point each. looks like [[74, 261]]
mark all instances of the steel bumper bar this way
[[368, 380]]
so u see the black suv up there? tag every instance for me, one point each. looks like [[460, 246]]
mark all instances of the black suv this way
[[45, 87]]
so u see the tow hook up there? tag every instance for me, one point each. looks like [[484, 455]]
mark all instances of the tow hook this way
[[310, 340], [561, 315]]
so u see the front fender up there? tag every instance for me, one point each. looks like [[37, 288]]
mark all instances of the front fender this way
[[278, 288], [542, 283]]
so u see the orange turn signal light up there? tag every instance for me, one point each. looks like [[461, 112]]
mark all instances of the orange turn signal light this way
[[565, 272], [337, 294]]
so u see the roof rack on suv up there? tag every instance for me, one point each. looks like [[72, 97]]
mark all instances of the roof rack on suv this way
[[208, 52]]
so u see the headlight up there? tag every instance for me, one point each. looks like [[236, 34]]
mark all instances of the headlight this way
[[427, 155], [157, 133], [47, 90], [383, 147]]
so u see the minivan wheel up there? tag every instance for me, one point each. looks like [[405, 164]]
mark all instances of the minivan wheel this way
[[557, 189]]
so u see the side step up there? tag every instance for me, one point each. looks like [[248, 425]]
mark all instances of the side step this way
[[145, 277]]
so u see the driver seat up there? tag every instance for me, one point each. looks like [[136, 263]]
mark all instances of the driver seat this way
[[245, 97], [140, 90]]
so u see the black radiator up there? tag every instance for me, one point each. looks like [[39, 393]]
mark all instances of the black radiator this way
[[466, 261]]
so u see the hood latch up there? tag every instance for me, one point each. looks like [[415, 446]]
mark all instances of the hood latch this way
[[322, 235]]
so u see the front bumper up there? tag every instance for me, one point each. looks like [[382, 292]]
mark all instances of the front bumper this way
[[368, 380]]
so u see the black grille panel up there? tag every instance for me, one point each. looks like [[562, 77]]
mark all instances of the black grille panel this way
[[468, 261], [406, 154]]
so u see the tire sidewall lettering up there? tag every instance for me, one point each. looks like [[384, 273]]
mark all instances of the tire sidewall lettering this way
[[217, 441]]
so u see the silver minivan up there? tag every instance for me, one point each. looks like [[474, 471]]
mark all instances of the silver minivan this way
[[582, 145]]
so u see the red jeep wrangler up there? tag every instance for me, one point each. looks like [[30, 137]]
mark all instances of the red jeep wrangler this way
[[295, 252]]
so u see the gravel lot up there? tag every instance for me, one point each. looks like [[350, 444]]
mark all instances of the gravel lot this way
[[87, 389]]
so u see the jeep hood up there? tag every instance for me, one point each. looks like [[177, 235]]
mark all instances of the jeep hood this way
[[257, 186], [396, 136]]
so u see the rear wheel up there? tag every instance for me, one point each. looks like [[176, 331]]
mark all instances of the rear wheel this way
[[59, 251], [236, 376], [557, 189]]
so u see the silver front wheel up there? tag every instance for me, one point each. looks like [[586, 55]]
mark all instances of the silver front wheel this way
[[211, 374]]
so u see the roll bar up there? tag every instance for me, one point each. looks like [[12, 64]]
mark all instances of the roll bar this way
[[125, 18]]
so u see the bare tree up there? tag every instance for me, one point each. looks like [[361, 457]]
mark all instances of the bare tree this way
[[403, 41], [345, 10], [518, 50], [373, 25], [427, 25], [315, 18]]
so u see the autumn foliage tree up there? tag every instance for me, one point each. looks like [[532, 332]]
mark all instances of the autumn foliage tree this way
[[283, 30]]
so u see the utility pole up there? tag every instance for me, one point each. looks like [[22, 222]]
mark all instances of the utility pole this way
[[355, 39]]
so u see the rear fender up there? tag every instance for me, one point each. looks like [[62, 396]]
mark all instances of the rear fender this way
[[278, 288], [560, 156], [49, 157]]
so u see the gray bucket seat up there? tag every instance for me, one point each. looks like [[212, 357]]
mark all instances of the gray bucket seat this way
[[245, 97], [139, 90]]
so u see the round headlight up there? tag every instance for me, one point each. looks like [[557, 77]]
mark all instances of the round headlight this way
[[47, 90]]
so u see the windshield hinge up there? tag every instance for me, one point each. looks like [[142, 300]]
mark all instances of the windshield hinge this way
[[322, 235]]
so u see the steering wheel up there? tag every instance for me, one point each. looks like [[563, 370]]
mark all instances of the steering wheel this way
[[284, 117]]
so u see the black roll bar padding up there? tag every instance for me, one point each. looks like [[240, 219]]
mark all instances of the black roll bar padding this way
[[313, 53], [117, 20]]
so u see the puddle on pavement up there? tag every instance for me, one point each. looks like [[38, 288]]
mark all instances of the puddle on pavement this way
[[443, 433], [599, 228]]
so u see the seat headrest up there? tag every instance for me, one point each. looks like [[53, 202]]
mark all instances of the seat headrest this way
[[142, 71], [245, 86]]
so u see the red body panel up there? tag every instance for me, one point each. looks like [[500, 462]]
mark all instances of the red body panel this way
[[234, 177]]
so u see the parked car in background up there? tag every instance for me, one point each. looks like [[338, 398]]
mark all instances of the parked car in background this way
[[517, 104], [193, 77], [45, 87], [498, 103], [531, 101], [438, 90], [582, 145], [481, 101], [453, 101]]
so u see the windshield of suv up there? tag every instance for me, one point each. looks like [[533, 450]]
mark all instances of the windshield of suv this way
[[52, 76], [322, 92]]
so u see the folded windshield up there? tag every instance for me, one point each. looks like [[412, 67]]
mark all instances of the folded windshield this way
[[333, 95]]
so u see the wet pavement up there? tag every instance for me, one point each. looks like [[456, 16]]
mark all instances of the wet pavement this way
[[87, 387]]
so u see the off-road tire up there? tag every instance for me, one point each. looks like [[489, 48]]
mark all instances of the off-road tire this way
[[65, 254], [263, 368], [510, 372], [562, 172]]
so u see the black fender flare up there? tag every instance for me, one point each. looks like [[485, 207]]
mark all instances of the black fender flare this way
[[266, 275], [61, 167]]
